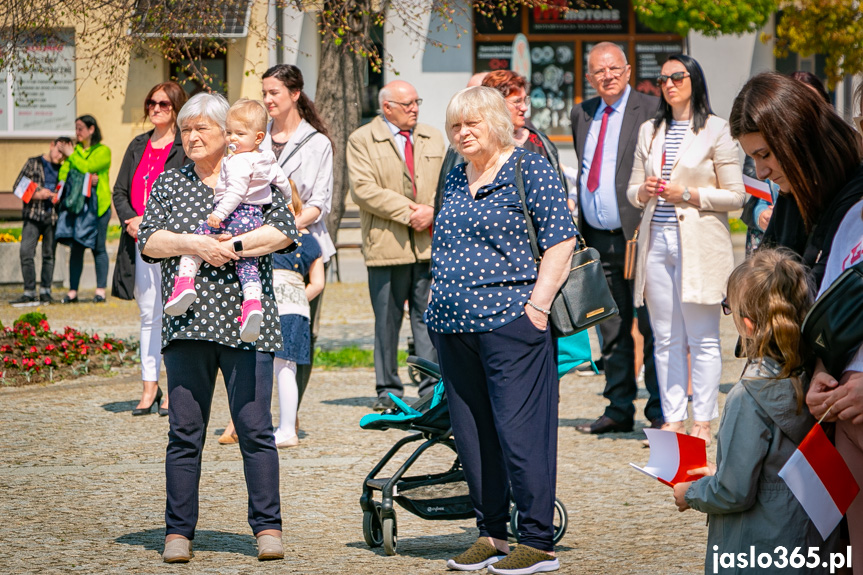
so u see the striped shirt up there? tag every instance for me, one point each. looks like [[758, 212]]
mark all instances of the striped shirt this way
[[665, 213]]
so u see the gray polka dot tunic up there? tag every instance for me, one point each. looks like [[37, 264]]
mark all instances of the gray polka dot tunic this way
[[482, 264], [178, 203]]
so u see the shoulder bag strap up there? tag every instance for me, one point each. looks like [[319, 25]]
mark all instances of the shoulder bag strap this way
[[297, 148], [531, 231]]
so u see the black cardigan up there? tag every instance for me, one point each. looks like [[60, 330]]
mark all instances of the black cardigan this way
[[123, 284], [786, 227]]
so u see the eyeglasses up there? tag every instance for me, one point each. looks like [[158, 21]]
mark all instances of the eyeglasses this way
[[408, 105], [518, 103], [164, 104], [612, 72], [726, 309], [677, 78]]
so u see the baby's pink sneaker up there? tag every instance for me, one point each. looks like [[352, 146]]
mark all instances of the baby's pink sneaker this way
[[250, 322], [182, 297]]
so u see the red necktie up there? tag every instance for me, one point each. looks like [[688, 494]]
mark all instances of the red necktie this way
[[596, 164], [409, 158]]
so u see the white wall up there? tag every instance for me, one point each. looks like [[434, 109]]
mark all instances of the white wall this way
[[435, 73], [301, 44]]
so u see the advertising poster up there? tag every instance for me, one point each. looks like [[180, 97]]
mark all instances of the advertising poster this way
[[491, 56], [552, 86], [649, 58], [609, 17]]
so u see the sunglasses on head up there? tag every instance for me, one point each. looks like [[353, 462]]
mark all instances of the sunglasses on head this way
[[164, 104], [677, 78]]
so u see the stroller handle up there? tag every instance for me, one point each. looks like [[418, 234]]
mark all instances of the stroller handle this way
[[424, 366]]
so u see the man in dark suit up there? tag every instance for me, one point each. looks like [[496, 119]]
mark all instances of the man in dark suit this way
[[605, 131]]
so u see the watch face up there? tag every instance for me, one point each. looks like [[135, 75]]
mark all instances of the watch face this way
[[238, 245]]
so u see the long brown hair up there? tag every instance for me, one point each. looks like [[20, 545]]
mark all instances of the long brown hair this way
[[292, 78], [774, 291], [818, 151]]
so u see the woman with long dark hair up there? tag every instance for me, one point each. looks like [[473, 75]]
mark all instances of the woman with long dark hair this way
[[301, 143], [799, 142], [87, 228], [687, 177], [149, 154]]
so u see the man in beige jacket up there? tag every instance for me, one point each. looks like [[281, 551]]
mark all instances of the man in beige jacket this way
[[393, 165]]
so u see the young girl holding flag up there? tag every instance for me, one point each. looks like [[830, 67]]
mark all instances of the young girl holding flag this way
[[763, 422]]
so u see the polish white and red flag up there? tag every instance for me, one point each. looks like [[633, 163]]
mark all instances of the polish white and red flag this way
[[59, 191], [25, 189], [758, 188], [87, 180], [820, 480], [672, 455]]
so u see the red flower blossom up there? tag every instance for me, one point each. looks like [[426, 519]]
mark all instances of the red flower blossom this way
[[48, 361]]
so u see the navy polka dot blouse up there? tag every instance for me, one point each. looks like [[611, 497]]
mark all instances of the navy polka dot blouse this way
[[482, 264]]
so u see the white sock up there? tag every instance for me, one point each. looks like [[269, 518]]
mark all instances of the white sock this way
[[189, 266], [286, 377], [252, 290]]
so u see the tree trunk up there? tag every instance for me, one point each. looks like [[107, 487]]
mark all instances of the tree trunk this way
[[340, 83]]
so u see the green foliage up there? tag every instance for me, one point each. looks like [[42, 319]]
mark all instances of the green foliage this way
[[737, 226], [833, 28], [709, 17], [353, 356], [34, 318]]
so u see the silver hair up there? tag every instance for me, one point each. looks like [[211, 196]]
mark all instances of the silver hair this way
[[384, 95], [213, 107], [481, 102], [603, 46]]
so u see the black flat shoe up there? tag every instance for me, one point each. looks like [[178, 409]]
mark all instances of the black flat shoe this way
[[67, 299], [98, 299], [149, 409]]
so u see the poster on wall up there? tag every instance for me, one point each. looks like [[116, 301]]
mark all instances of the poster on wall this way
[[492, 56], [649, 58], [587, 90], [552, 86], [43, 99], [608, 17]]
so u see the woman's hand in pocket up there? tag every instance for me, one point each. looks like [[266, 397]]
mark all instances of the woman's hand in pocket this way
[[536, 317]]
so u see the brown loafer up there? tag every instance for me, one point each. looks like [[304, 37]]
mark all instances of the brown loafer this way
[[177, 551], [604, 425]]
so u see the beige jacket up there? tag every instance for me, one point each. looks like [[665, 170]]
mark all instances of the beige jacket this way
[[381, 187], [710, 162]]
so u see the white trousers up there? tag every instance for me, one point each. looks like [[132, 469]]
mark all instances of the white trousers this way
[[148, 294], [678, 327]]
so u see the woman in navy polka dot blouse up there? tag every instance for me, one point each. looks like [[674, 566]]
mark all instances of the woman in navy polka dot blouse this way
[[488, 318]]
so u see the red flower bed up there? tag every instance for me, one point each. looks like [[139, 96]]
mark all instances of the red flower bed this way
[[31, 353]]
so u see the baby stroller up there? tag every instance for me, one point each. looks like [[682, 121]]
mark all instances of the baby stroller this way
[[438, 496]]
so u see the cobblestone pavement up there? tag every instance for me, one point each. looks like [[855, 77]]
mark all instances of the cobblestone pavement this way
[[82, 481]]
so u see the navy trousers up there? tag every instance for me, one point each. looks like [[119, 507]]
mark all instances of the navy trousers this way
[[502, 390], [191, 366]]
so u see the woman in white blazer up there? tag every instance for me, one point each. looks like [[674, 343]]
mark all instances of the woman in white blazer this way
[[687, 177]]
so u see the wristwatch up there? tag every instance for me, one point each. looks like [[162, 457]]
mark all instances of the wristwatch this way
[[687, 195], [238, 246]]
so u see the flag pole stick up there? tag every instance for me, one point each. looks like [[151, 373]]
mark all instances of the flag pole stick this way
[[825, 415]]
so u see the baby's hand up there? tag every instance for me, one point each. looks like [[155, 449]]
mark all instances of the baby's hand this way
[[214, 221]]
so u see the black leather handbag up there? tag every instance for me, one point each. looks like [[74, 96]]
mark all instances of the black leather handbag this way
[[584, 300], [833, 328]]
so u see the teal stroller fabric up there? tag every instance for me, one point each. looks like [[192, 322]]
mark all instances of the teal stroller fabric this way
[[404, 416], [572, 351]]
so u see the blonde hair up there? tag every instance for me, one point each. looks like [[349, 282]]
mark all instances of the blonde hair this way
[[296, 201], [481, 103], [250, 113], [774, 291]]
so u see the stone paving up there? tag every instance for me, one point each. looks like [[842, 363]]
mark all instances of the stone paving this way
[[82, 481]]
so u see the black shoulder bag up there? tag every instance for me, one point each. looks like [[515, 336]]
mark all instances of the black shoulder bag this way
[[584, 300], [833, 329]]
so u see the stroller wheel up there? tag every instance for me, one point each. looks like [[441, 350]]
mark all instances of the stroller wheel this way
[[561, 520], [390, 535], [372, 532]]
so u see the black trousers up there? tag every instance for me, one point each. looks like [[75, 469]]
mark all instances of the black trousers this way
[[618, 347], [390, 287], [191, 366], [502, 391], [30, 232]]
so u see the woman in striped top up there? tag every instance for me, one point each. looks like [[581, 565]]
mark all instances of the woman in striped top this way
[[687, 177]]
